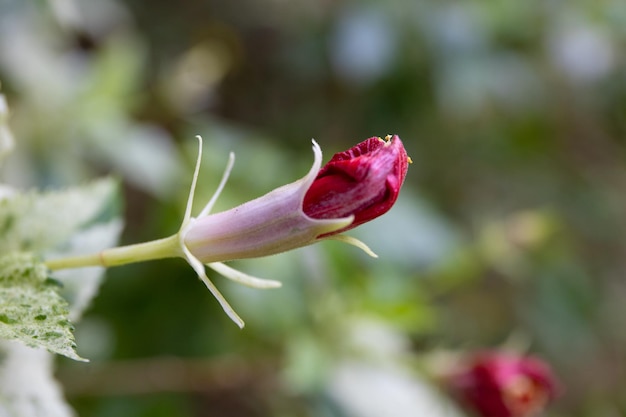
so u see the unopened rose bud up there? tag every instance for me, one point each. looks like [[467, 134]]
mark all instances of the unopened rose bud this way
[[499, 384], [354, 187], [363, 182]]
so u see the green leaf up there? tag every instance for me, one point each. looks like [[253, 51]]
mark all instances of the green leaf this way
[[56, 223], [31, 309], [37, 222]]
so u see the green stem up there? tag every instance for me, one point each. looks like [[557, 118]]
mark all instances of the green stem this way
[[168, 247]]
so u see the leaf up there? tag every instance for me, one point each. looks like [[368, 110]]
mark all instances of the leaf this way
[[37, 222], [31, 309], [57, 223]]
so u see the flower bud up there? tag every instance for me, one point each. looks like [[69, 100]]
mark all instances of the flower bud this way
[[363, 182], [504, 385], [355, 186]]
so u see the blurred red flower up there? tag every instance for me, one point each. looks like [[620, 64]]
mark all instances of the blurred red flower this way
[[496, 384]]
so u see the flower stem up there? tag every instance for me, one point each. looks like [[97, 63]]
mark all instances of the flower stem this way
[[168, 247]]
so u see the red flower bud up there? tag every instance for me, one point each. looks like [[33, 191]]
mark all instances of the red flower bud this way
[[354, 187], [505, 385], [363, 182]]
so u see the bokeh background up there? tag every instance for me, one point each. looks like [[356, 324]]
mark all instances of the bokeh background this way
[[509, 232]]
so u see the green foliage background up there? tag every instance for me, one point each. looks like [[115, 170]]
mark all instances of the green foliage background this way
[[509, 230]]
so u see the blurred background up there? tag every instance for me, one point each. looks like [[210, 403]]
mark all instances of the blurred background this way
[[509, 232]]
